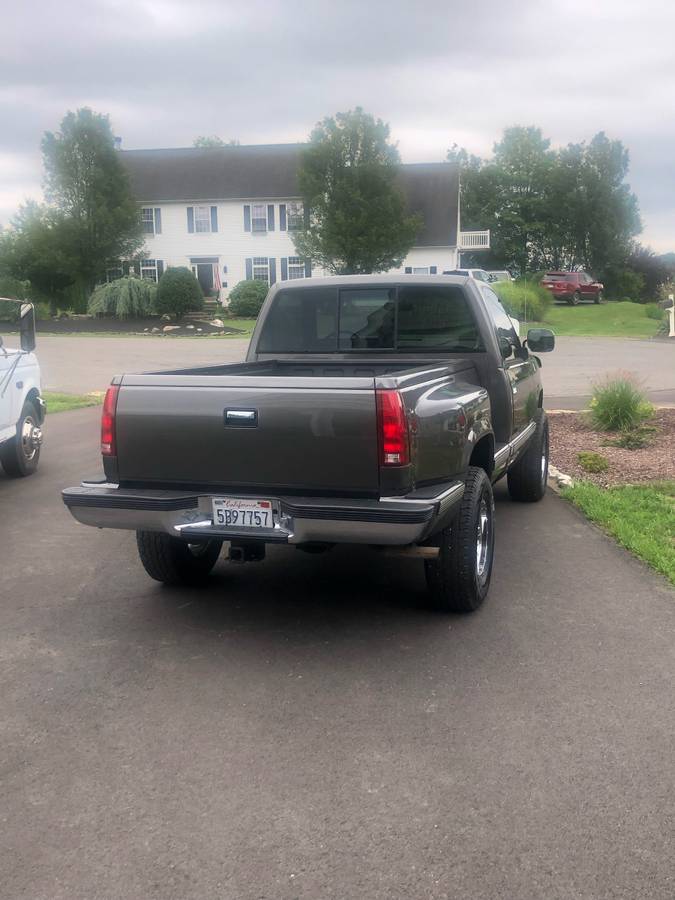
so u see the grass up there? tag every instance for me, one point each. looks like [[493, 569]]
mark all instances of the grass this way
[[606, 320], [640, 517], [57, 402]]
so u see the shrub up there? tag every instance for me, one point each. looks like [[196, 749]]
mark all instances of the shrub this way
[[592, 462], [179, 292], [247, 298], [618, 404], [523, 299], [635, 439], [14, 290], [652, 311], [124, 298], [625, 283]]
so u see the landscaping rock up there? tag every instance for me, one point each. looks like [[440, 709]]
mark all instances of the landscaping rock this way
[[169, 328], [165, 318], [189, 327], [217, 323], [155, 331]]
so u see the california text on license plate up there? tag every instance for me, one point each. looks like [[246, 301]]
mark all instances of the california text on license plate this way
[[240, 512]]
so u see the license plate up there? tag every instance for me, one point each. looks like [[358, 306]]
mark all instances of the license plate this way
[[240, 512]]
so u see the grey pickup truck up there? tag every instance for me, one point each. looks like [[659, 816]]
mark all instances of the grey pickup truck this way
[[370, 410]]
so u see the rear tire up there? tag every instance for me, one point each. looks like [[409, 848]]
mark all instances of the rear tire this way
[[459, 579], [173, 561], [20, 455], [528, 476], [599, 297], [575, 299]]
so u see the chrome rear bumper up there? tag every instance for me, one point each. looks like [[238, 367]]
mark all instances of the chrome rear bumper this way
[[298, 520]]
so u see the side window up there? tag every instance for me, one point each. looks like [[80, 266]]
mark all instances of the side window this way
[[506, 333]]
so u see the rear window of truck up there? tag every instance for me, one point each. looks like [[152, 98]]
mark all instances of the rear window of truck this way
[[407, 318]]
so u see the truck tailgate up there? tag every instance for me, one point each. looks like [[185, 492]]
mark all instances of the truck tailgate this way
[[302, 434]]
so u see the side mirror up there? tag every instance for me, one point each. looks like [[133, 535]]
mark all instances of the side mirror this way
[[540, 340], [27, 327]]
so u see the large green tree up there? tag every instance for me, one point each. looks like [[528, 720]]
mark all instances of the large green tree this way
[[550, 208], [207, 141], [88, 188], [357, 220]]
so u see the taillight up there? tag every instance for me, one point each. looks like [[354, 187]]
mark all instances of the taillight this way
[[393, 429], [108, 421]]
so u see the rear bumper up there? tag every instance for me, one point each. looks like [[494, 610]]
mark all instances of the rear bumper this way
[[298, 520]]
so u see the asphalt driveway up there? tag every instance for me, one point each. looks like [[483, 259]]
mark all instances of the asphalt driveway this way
[[83, 364], [306, 728]]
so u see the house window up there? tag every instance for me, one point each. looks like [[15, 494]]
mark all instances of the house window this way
[[420, 270], [202, 218], [295, 216], [149, 269], [258, 217], [261, 268], [148, 219], [296, 267]]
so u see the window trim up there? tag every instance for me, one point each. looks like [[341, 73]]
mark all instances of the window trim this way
[[260, 265], [142, 267], [150, 221], [300, 215], [300, 264]]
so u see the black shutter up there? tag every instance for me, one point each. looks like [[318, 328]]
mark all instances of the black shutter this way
[[160, 268], [249, 269], [191, 218], [270, 217], [433, 270], [282, 217], [284, 268], [247, 218], [273, 269], [158, 221], [408, 270], [214, 218], [308, 268]]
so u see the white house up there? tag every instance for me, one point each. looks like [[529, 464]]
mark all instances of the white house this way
[[229, 213]]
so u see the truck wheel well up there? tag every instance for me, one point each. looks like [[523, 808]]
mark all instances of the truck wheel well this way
[[483, 454], [32, 394]]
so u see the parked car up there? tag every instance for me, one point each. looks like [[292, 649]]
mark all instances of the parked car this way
[[371, 410], [498, 275], [573, 287], [22, 409], [478, 274]]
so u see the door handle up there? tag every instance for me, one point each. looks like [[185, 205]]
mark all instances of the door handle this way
[[241, 418]]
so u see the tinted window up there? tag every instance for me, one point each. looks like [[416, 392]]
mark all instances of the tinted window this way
[[301, 321], [436, 318], [503, 325], [367, 318]]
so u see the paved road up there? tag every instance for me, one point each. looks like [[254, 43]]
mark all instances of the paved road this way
[[82, 364], [305, 728]]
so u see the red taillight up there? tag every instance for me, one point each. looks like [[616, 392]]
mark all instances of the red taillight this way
[[393, 429], [108, 421]]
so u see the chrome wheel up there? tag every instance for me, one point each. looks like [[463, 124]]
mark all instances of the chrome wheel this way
[[31, 437], [483, 541]]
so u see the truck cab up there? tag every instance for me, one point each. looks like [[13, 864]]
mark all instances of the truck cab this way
[[22, 409]]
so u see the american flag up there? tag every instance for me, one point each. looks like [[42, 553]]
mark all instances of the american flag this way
[[216, 277]]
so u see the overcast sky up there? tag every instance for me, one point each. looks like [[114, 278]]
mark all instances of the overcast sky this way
[[264, 72]]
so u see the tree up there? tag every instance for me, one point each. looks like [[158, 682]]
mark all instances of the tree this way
[[86, 184], [206, 141], [357, 220], [566, 208], [124, 298], [39, 250], [178, 292]]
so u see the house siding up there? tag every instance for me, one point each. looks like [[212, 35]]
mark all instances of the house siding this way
[[233, 245]]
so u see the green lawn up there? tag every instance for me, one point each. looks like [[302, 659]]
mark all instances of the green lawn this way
[[61, 402], [640, 517], [606, 320]]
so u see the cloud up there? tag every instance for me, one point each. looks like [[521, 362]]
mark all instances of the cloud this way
[[439, 72]]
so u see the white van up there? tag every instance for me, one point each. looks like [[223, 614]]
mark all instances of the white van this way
[[22, 409]]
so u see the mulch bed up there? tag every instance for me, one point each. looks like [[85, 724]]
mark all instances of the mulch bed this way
[[570, 435], [94, 324]]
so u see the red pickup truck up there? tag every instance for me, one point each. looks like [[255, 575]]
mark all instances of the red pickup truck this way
[[573, 287]]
